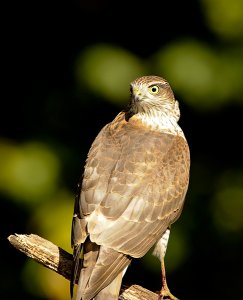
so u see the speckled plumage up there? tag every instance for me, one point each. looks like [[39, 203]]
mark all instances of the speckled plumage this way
[[133, 188]]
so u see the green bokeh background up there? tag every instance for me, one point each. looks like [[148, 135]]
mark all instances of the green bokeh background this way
[[69, 66]]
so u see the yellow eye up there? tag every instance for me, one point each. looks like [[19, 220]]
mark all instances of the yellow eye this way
[[154, 89]]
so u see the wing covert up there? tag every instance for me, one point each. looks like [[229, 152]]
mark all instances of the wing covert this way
[[134, 185]]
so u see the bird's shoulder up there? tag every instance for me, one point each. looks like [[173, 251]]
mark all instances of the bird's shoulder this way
[[132, 134]]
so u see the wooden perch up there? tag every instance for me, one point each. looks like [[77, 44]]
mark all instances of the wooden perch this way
[[60, 261]]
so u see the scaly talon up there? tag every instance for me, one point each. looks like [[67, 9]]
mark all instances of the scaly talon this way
[[165, 292]]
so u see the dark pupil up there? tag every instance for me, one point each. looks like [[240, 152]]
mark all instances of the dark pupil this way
[[154, 89]]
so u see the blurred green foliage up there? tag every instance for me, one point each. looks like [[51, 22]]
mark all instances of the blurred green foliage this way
[[107, 71], [42, 160], [29, 172], [227, 203], [205, 77], [225, 18]]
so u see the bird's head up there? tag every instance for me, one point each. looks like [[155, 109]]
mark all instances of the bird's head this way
[[152, 94]]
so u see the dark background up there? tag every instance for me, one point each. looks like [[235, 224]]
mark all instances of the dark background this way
[[43, 101]]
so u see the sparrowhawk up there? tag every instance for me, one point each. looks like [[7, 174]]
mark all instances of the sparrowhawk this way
[[132, 189]]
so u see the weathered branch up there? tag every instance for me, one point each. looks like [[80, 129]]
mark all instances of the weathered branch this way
[[58, 260]]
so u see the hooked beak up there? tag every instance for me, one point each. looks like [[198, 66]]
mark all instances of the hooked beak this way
[[136, 94]]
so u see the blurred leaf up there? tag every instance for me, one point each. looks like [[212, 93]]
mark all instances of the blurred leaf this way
[[225, 18], [177, 250], [31, 278], [107, 71], [227, 205], [44, 283], [53, 285], [231, 73], [205, 79], [29, 172], [53, 219]]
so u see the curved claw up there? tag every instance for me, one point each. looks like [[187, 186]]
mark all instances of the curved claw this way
[[166, 294]]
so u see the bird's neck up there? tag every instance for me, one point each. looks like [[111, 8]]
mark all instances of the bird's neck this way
[[162, 121]]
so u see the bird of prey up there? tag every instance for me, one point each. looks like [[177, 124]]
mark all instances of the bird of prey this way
[[132, 189]]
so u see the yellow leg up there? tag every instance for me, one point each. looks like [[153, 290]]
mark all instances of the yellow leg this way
[[165, 292]]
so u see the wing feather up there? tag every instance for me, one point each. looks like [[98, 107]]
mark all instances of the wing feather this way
[[134, 185]]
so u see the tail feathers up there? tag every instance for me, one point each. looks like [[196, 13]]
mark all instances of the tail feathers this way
[[112, 291], [75, 267], [91, 251], [105, 275]]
